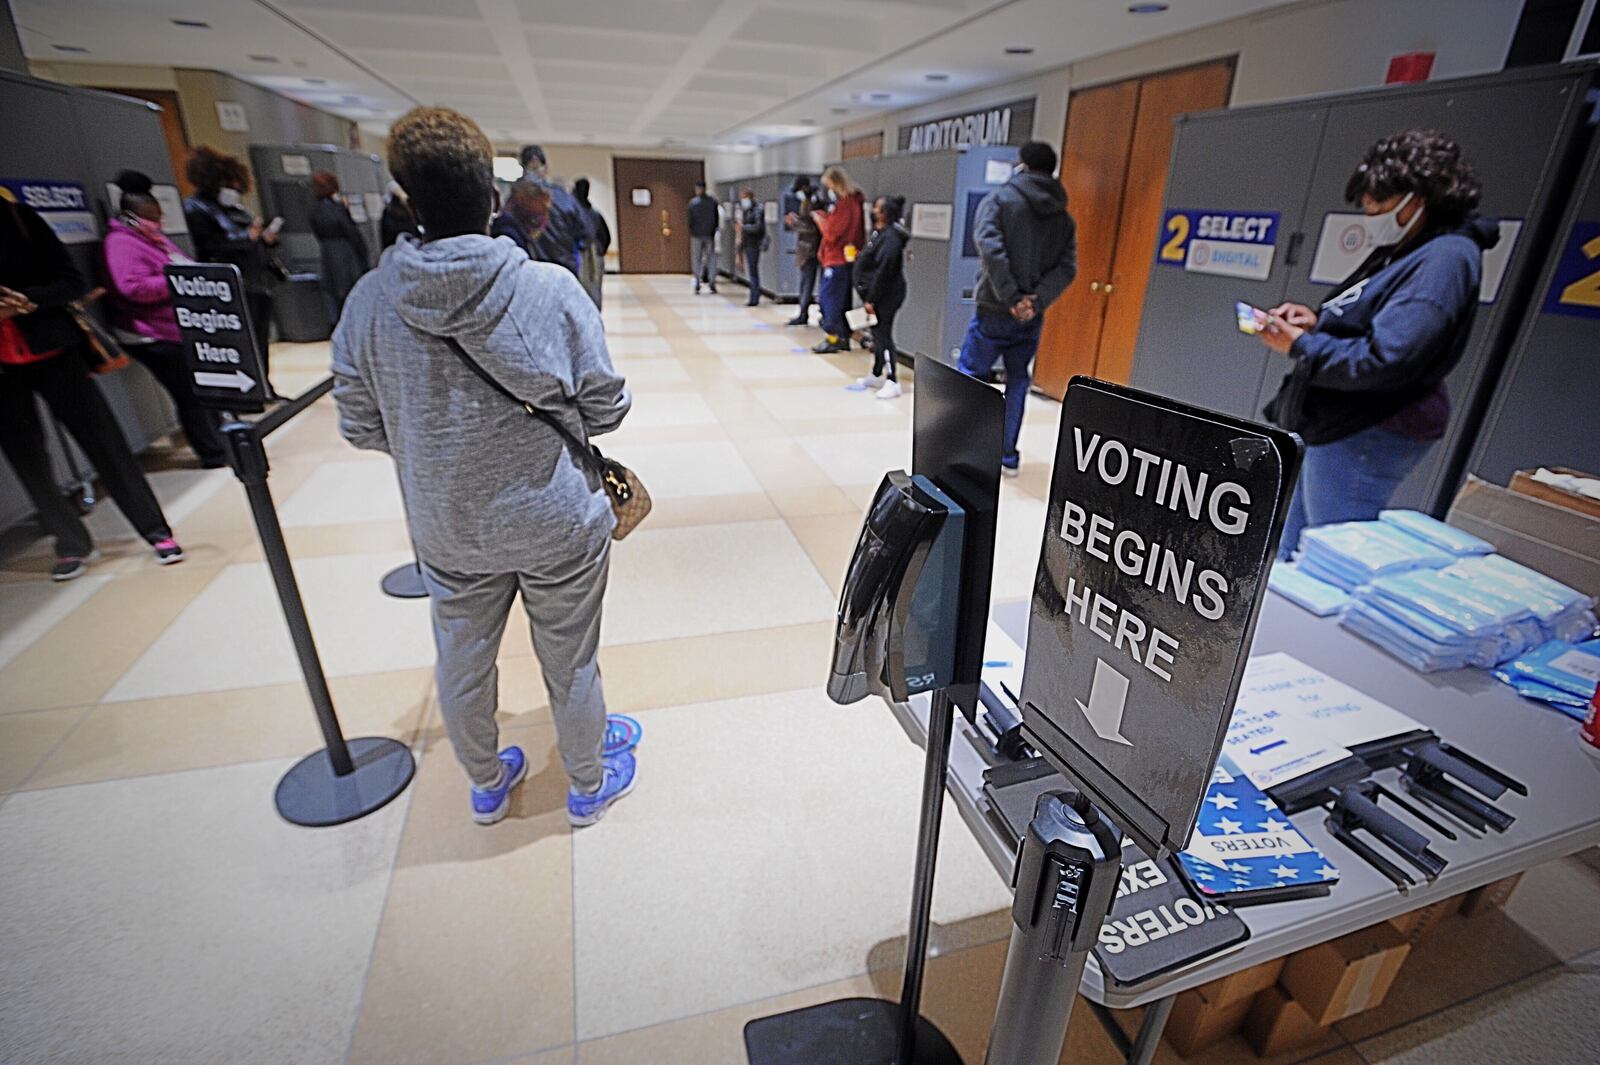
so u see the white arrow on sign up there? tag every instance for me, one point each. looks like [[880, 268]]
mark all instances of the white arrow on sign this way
[[237, 379], [1108, 697]]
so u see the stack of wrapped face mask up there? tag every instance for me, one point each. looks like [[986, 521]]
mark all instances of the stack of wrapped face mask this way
[[1436, 533], [1432, 620], [1559, 673], [1353, 553]]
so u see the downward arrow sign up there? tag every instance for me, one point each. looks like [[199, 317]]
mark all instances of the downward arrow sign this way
[[1108, 697], [237, 379]]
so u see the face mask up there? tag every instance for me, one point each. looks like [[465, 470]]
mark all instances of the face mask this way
[[148, 226], [230, 197], [1386, 229], [746, 203]]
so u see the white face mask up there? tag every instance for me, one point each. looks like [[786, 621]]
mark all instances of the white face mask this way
[[1386, 229], [230, 197], [746, 203]]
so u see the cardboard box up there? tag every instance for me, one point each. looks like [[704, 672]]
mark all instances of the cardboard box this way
[[1197, 1023], [1489, 897], [1421, 922], [1243, 984], [1561, 543], [1277, 1023], [1522, 483], [1345, 976]]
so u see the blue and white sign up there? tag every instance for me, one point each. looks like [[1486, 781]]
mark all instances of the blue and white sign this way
[[1576, 288], [64, 205], [1226, 243]]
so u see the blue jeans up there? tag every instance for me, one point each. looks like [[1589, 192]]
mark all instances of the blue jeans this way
[[1349, 480], [752, 270], [834, 296], [1000, 337]]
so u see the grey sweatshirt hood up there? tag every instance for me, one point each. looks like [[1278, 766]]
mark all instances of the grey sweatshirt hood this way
[[452, 286], [1042, 193]]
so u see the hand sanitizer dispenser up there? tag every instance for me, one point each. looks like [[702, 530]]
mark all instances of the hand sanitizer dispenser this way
[[896, 631]]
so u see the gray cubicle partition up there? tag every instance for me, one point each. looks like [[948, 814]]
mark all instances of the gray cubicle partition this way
[[780, 275], [283, 179], [1520, 129], [61, 134], [1547, 408]]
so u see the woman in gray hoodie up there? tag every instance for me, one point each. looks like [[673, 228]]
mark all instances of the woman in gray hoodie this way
[[497, 502]]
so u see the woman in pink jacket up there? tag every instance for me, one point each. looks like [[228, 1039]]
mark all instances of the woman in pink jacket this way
[[136, 250]]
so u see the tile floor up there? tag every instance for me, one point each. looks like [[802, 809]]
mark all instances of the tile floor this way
[[154, 909]]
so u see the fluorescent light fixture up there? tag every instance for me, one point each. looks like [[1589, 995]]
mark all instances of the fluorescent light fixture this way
[[192, 23], [315, 81], [878, 96], [936, 77], [263, 58], [1019, 49], [1147, 9]]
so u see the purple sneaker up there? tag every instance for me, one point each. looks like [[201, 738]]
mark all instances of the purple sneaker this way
[[587, 809], [492, 804]]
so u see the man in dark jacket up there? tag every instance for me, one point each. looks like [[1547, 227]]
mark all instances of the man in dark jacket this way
[[1029, 246], [752, 234], [567, 233], [703, 223], [525, 217], [807, 238]]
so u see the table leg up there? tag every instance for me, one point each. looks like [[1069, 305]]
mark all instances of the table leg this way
[[1143, 1051]]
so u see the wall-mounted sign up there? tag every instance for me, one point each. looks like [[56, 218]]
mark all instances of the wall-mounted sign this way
[[769, 211], [168, 196], [1227, 243], [1345, 244], [1576, 289], [64, 206], [1008, 123], [997, 172], [641, 197], [232, 117], [931, 221], [295, 165]]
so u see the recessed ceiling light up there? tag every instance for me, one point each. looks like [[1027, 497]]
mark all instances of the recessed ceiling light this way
[[191, 23], [263, 58], [1019, 49], [1147, 9], [316, 81], [840, 110], [877, 96], [69, 47], [936, 77]]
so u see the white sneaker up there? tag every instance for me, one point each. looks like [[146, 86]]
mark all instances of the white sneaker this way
[[1010, 471], [890, 390], [866, 384]]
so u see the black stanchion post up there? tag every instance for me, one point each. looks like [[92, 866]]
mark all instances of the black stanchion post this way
[[404, 582]]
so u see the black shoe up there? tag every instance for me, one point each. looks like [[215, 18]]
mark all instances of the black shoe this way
[[752, 303], [826, 347], [71, 567], [795, 321], [713, 290]]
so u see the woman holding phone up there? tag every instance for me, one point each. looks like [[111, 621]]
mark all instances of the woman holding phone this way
[[1366, 386]]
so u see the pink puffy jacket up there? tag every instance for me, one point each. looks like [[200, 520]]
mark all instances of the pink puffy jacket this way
[[143, 302]]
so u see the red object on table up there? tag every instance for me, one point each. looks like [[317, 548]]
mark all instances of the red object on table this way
[[1590, 732], [1412, 66]]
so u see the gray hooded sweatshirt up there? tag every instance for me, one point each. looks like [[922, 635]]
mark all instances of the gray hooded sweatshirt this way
[[487, 488], [1028, 241]]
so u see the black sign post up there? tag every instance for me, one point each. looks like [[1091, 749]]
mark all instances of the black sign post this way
[[345, 780], [1162, 525]]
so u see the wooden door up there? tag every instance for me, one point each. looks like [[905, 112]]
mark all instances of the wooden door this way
[[652, 213], [1094, 167], [171, 128], [1162, 98]]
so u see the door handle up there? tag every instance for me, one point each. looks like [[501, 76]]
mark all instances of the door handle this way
[[1094, 286], [1108, 288]]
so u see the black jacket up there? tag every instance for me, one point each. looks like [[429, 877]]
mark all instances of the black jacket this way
[[703, 220], [880, 268], [343, 247], [505, 225], [1388, 336], [34, 262], [601, 231], [752, 225], [1028, 241], [397, 218], [567, 233], [222, 235]]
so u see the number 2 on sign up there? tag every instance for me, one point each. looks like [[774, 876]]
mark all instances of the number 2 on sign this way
[[1585, 292], [1172, 250]]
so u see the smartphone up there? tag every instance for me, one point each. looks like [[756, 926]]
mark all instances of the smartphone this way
[[1252, 320], [277, 224]]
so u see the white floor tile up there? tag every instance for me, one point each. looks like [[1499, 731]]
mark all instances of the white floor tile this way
[[29, 609], [859, 458], [340, 493], [632, 327], [176, 918], [620, 346], [693, 469], [822, 402], [786, 343], [652, 371], [668, 409], [784, 366]]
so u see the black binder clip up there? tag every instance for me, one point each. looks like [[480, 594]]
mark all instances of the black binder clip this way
[[1427, 775], [1355, 808]]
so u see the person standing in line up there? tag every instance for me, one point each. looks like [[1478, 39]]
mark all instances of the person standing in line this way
[[594, 253], [704, 222], [136, 254], [42, 356], [842, 230], [750, 231], [567, 233], [524, 217], [224, 232], [806, 238], [397, 217], [498, 503], [1365, 388], [881, 283], [343, 247], [1029, 247]]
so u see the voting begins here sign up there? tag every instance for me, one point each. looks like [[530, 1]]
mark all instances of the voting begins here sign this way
[[1226, 243], [1162, 524], [214, 320]]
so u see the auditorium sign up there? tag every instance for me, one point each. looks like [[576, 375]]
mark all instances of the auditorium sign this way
[[1008, 123]]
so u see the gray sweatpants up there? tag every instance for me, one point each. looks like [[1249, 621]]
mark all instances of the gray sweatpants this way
[[703, 258], [469, 618]]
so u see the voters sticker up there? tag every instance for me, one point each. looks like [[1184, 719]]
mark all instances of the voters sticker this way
[[1162, 525], [218, 343], [1226, 243]]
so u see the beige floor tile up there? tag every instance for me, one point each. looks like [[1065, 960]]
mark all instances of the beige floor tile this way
[[343, 493], [561, 1056], [467, 901], [25, 739], [711, 510], [830, 540], [860, 458], [805, 404], [725, 665], [621, 346], [360, 538], [678, 471], [818, 500], [78, 660], [29, 609], [1546, 898], [183, 732], [793, 366]]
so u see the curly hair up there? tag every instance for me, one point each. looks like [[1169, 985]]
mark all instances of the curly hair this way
[[446, 165], [208, 170], [1424, 162]]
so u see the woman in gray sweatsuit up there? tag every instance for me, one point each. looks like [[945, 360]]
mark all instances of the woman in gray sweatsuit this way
[[496, 501]]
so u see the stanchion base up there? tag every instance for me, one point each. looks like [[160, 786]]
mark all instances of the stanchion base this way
[[404, 582], [310, 794], [848, 1031]]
